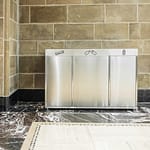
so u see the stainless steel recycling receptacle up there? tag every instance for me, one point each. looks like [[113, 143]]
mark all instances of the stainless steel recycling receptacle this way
[[91, 78]]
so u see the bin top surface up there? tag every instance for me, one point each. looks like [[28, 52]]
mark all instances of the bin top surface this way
[[91, 52]]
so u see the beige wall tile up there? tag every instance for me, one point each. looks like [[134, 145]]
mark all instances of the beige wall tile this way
[[36, 32], [26, 64], [42, 45], [7, 68], [28, 48], [48, 14], [32, 64], [143, 12], [83, 44], [13, 10], [135, 31], [146, 47], [14, 83], [117, 13], [39, 64], [10, 48], [1, 66], [63, 1], [1, 47], [39, 81], [1, 87], [73, 32], [97, 1], [13, 47], [16, 1], [13, 65], [123, 44], [1, 28], [13, 30], [143, 1], [145, 31], [133, 1], [1, 8], [24, 14], [26, 81], [7, 19], [31, 2], [143, 80], [91, 13], [111, 31], [144, 64], [127, 1]]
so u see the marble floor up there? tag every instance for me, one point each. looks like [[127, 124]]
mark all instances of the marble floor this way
[[15, 123]]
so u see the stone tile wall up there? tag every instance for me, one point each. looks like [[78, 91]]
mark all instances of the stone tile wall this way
[[1, 47], [81, 24], [14, 45], [11, 24]]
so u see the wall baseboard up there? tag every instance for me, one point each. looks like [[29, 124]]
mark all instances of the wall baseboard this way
[[144, 95], [38, 95], [25, 95]]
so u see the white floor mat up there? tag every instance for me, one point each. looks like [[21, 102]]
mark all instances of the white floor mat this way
[[87, 136]]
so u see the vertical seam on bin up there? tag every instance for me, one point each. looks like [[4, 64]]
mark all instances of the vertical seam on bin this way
[[46, 81], [72, 82], [136, 83], [109, 65]]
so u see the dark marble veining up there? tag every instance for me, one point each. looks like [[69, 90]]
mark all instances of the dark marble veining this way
[[15, 123]]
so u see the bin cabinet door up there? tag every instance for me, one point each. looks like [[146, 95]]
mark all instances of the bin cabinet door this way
[[58, 84], [90, 81], [122, 81]]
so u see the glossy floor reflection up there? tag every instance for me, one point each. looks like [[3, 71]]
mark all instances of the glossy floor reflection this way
[[15, 123]]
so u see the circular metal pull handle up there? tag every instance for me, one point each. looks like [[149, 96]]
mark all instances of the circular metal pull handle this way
[[87, 52], [94, 52]]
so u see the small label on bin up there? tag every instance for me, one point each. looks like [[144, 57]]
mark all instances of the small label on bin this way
[[124, 52]]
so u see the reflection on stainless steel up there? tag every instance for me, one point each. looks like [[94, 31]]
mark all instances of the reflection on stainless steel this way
[[122, 81], [90, 81], [91, 78], [58, 90]]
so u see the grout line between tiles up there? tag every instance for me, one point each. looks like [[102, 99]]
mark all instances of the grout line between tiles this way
[[29, 14], [53, 31], [105, 13], [94, 36], [86, 23], [67, 9], [33, 80], [81, 3], [128, 31], [137, 12], [37, 47]]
